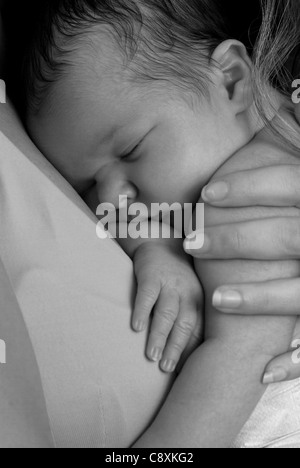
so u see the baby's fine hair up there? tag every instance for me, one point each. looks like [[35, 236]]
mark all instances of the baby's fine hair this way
[[161, 40]]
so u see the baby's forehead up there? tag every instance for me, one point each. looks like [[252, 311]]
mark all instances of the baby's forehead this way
[[97, 73], [91, 64], [97, 64], [97, 56]]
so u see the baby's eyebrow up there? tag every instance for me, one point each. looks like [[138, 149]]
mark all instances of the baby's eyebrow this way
[[102, 138], [111, 133]]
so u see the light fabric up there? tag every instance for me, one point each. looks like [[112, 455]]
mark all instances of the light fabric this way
[[76, 294], [276, 421]]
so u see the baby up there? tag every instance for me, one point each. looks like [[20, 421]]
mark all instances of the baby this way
[[150, 100]]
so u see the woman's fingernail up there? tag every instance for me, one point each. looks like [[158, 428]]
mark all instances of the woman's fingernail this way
[[139, 326], [276, 375], [216, 191], [168, 366], [197, 241], [227, 300], [156, 354]]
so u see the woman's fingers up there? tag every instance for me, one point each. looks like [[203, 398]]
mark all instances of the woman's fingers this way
[[284, 368], [271, 186], [266, 239], [280, 297]]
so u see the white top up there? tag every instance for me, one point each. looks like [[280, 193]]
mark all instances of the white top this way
[[76, 294]]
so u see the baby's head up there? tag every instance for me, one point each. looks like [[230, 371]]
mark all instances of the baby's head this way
[[145, 98]]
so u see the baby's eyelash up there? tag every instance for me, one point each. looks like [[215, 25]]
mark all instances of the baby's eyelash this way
[[132, 152]]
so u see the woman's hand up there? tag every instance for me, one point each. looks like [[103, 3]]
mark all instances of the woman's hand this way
[[266, 239]]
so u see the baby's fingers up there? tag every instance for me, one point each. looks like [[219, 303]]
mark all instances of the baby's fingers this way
[[147, 295], [180, 337], [165, 315]]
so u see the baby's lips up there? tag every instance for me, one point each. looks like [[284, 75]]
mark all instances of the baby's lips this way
[[194, 241]]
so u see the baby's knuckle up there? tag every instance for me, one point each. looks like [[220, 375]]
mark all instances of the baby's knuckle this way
[[185, 327], [147, 291], [168, 315], [177, 348], [171, 287], [158, 335]]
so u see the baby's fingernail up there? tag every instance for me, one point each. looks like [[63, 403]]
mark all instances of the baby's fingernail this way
[[139, 326], [168, 366], [156, 354], [227, 300], [216, 191], [276, 375]]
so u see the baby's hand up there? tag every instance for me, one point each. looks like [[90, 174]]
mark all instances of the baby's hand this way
[[167, 286]]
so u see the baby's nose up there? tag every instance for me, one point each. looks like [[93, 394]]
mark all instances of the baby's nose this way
[[115, 192]]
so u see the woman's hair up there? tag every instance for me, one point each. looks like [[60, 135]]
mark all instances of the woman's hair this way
[[276, 51]]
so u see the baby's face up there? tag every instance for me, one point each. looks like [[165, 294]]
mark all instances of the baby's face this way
[[144, 141]]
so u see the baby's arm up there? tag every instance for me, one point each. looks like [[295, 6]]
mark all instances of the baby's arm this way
[[237, 349], [219, 387]]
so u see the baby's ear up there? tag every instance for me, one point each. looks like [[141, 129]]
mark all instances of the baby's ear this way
[[235, 66]]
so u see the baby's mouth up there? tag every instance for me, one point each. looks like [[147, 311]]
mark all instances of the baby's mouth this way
[[131, 219]]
